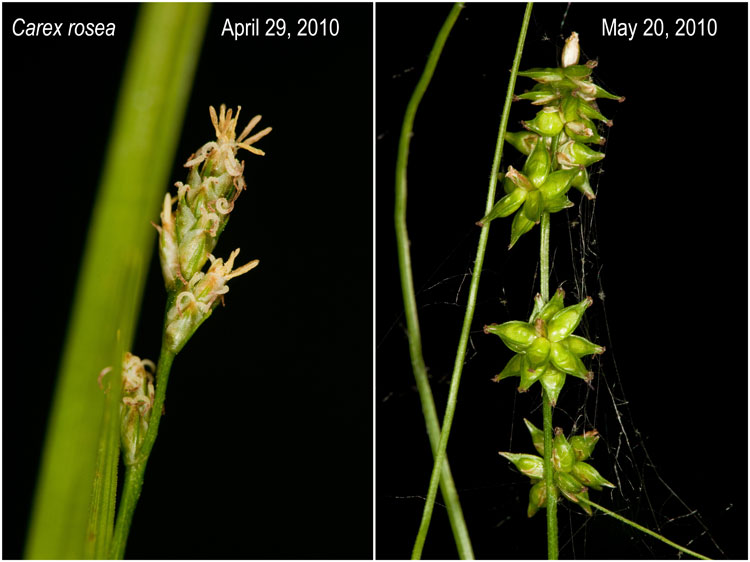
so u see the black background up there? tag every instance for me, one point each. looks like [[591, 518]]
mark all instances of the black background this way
[[266, 448], [670, 247]]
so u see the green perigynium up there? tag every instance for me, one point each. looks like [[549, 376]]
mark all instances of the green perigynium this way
[[137, 402], [546, 348], [565, 126], [188, 234], [572, 476]]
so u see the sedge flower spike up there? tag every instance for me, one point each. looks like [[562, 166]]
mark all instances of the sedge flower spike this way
[[204, 292], [556, 142], [572, 476], [188, 234], [546, 348], [137, 403], [192, 221]]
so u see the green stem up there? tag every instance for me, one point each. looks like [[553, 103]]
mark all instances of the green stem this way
[[642, 529], [447, 485], [131, 491], [544, 230], [470, 305], [134, 474], [544, 256], [552, 549]]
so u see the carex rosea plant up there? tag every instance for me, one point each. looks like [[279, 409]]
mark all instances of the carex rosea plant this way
[[557, 144], [191, 223]]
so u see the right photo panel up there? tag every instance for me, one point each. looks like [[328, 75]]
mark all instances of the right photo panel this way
[[561, 268]]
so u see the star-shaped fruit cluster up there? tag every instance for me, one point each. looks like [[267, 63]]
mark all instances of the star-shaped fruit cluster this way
[[546, 348], [555, 141], [572, 476]]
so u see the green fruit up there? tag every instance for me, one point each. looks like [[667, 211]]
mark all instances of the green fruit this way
[[589, 476], [537, 498], [538, 352], [523, 141], [537, 436], [530, 465], [529, 375], [583, 445], [518, 336], [534, 205], [568, 484], [563, 455], [552, 381], [574, 154], [506, 206], [554, 305], [544, 75], [562, 324], [541, 94], [537, 164], [511, 369], [567, 362], [546, 123], [521, 225], [581, 183], [558, 183], [581, 346]]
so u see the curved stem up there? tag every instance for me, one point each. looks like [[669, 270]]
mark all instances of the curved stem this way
[[470, 305], [133, 483], [642, 529], [447, 486]]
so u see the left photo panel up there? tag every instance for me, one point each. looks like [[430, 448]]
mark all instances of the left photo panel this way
[[187, 298]]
